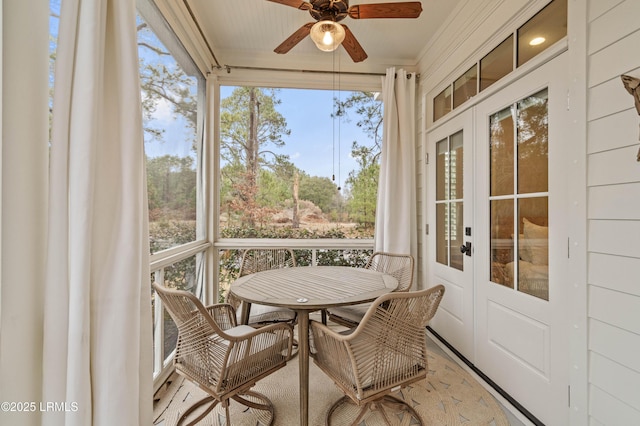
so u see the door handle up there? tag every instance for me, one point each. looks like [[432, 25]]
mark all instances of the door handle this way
[[466, 248]]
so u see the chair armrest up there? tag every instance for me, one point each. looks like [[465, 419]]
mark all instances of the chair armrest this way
[[252, 352], [333, 354], [317, 326], [223, 314], [245, 341]]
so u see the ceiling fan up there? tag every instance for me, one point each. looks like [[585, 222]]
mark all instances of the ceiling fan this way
[[328, 34]]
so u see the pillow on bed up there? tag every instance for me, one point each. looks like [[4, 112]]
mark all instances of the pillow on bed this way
[[536, 240], [528, 271], [523, 249]]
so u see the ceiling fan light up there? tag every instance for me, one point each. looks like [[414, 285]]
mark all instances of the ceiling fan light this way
[[327, 35]]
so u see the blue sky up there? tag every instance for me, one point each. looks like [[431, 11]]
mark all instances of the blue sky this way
[[311, 144]]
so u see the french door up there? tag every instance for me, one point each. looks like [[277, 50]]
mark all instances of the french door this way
[[506, 313], [450, 205], [521, 310]]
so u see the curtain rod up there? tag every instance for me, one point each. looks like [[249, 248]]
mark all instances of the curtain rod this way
[[228, 68]]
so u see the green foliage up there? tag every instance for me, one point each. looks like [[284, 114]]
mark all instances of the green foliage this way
[[171, 233], [235, 125], [272, 190], [369, 112], [250, 127], [362, 186], [164, 81], [171, 187], [167, 234], [321, 191]]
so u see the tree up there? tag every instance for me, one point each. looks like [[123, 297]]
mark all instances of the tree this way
[[163, 80], [369, 111], [321, 191], [171, 182], [250, 128], [362, 184]]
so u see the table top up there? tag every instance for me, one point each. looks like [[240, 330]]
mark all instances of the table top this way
[[313, 287]]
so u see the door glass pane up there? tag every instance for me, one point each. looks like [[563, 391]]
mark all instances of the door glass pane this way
[[543, 30], [533, 143], [442, 233], [442, 103], [533, 253], [449, 201], [456, 167], [501, 145], [465, 87], [456, 232], [497, 63], [529, 242], [502, 242], [442, 166]]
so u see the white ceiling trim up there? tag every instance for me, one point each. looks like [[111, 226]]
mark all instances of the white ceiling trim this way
[[179, 19]]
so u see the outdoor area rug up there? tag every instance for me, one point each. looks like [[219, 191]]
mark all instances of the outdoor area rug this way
[[449, 396]]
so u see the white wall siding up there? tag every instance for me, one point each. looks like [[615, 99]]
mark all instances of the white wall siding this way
[[612, 26], [613, 179], [601, 404], [600, 131]]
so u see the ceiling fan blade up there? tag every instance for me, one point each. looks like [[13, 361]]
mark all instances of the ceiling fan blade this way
[[298, 4], [352, 46], [408, 9], [294, 38]]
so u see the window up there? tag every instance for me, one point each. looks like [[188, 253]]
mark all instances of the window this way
[[548, 26], [172, 103], [442, 104], [497, 64], [465, 87], [544, 29], [519, 196], [172, 94], [450, 201], [285, 172]]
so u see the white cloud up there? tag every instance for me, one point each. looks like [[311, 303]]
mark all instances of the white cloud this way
[[163, 111]]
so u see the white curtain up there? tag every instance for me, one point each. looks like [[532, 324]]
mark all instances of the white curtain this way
[[396, 208], [97, 337]]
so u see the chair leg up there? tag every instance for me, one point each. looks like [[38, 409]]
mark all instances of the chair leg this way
[[226, 413], [265, 404], [398, 405], [378, 405], [196, 406], [342, 401]]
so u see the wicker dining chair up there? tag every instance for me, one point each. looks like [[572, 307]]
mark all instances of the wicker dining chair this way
[[263, 259], [224, 359], [400, 266], [387, 351]]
